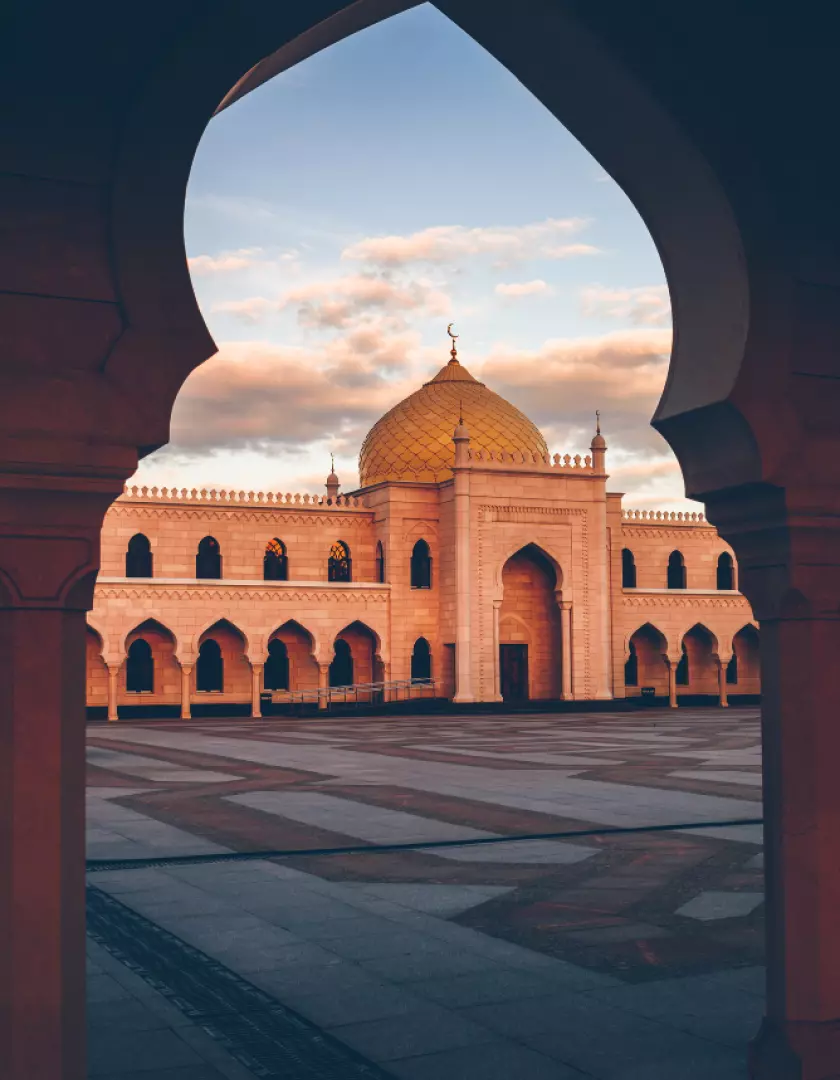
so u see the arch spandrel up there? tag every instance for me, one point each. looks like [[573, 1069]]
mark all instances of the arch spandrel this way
[[548, 551]]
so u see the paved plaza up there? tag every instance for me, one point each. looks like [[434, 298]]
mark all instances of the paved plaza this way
[[544, 938]]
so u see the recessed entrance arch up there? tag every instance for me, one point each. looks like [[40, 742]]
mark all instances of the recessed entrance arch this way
[[530, 636]]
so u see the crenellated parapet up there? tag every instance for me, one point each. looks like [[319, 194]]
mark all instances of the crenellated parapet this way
[[204, 497], [664, 517], [574, 463]]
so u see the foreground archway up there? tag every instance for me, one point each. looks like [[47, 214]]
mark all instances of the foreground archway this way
[[100, 305]]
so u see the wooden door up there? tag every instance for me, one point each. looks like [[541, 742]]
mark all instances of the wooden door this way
[[513, 670]]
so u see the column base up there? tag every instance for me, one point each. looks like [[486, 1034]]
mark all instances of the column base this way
[[463, 699], [795, 1051]]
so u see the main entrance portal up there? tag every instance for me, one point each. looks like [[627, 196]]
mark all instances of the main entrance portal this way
[[513, 671]]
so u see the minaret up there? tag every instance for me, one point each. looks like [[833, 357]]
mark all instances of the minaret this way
[[599, 564], [463, 560], [332, 480]]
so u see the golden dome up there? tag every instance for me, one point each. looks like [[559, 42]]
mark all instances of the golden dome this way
[[413, 441]]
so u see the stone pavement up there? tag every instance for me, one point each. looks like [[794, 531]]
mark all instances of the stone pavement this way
[[617, 956]]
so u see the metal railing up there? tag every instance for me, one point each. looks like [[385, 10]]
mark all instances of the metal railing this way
[[356, 694]]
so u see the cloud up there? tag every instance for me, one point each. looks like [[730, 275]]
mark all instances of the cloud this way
[[538, 287], [223, 263], [448, 243], [647, 305], [561, 384], [273, 398], [341, 303]]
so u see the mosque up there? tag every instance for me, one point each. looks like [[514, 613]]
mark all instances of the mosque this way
[[470, 565]]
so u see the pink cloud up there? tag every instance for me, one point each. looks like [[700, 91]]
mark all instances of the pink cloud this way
[[223, 263], [648, 305], [448, 243]]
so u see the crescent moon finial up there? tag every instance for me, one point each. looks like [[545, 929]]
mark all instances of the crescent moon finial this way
[[453, 352]]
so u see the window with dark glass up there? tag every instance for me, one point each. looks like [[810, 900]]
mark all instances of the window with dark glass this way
[[628, 569], [676, 570], [276, 670], [210, 667], [421, 566], [339, 567], [138, 557], [682, 669], [732, 670], [275, 561], [140, 668], [380, 562], [725, 571], [421, 660], [341, 668], [631, 667], [208, 561]]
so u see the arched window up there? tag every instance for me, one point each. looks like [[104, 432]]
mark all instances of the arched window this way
[[341, 668], [631, 667], [421, 566], [339, 567], [676, 570], [421, 660], [725, 571], [628, 569], [380, 562], [732, 670], [276, 671], [140, 668], [138, 557], [210, 668], [275, 562], [208, 561], [682, 668]]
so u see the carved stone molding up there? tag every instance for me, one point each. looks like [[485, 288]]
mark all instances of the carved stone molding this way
[[300, 516], [668, 531], [275, 596], [525, 514], [733, 602]]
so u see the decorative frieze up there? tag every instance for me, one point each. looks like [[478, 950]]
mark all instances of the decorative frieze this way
[[179, 512], [187, 593]]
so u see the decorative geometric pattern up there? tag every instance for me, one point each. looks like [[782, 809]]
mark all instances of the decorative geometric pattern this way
[[414, 440]]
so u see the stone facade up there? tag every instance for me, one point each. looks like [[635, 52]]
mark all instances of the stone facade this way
[[534, 556]]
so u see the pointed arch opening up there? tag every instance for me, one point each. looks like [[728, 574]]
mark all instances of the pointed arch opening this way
[[698, 668], [276, 668], [355, 659], [222, 665], [647, 664], [676, 576], [725, 571], [138, 557], [96, 670], [628, 569], [745, 665], [421, 566], [275, 561], [301, 666], [340, 565], [380, 562], [529, 628], [421, 660], [140, 668], [208, 559]]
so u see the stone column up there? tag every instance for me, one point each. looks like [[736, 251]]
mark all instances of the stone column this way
[[599, 571], [256, 686], [323, 684], [463, 568], [113, 686], [566, 649], [497, 666], [723, 700], [186, 684], [672, 682], [49, 553], [788, 548]]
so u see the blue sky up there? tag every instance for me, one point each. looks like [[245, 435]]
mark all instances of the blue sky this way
[[493, 216]]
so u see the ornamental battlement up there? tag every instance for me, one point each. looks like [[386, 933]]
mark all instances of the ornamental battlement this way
[[662, 517], [239, 498], [564, 462]]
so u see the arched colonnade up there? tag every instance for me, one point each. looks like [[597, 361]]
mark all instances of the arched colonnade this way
[[223, 664], [693, 662]]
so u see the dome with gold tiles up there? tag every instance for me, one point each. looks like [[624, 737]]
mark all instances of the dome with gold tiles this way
[[413, 441]]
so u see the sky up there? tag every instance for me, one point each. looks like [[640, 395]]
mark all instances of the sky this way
[[340, 216]]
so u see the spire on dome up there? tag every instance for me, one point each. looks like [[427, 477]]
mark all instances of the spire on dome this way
[[598, 442]]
